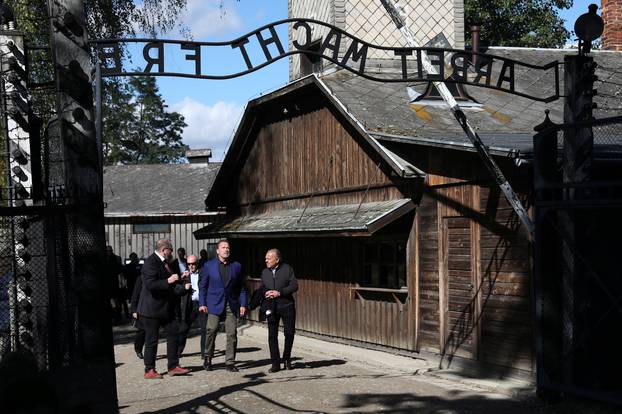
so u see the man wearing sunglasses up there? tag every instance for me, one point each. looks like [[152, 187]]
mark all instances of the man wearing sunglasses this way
[[190, 308]]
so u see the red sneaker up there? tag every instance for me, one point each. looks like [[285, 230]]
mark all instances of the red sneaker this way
[[152, 374], [178, 371]]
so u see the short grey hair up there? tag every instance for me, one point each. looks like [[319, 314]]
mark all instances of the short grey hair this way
[[164, 244], [277, 253]]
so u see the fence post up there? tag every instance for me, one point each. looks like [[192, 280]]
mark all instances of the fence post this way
[[546, 307], [576, 168], [90, 371]]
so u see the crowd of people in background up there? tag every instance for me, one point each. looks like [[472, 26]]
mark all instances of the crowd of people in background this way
[[178, 293]]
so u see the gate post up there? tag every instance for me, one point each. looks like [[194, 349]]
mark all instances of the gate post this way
[[576, 166], [89, 371], [546, 310]]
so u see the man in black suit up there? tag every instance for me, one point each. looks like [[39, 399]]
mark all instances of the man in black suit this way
[[279, 282], [131, 272], [159, 299], [139, 339]]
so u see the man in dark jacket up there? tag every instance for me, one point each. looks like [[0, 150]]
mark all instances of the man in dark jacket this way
[[112, 269], [131, 272], [139, 340], [279, 281], [159, 300]]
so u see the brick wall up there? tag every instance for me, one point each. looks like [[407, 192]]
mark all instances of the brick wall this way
[[611, 12]]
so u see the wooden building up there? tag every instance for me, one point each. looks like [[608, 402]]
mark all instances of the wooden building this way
[[397, 233], [147, 202]]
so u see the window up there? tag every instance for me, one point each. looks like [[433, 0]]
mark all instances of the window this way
[[152, 228], [384, 264]]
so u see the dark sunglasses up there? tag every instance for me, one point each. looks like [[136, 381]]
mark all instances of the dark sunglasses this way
[[193, 263]]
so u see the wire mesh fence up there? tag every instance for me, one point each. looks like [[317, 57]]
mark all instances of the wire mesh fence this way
[[577, 278], [607, 136]]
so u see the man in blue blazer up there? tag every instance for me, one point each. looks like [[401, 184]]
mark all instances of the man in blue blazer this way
[[222, 295]]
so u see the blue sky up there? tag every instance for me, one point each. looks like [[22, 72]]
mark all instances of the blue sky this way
[[212, 108], [578, 8]]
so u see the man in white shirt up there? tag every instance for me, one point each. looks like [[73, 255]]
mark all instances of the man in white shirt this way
[[190, 308]]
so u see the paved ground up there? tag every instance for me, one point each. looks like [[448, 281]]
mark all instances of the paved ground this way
[[328, 378]]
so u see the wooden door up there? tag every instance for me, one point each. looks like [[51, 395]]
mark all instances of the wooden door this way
[[462, 299]]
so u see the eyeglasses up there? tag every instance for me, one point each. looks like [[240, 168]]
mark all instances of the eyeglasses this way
[[192, 264]]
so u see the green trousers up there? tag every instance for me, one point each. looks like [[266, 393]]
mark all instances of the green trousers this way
[[231, 329]]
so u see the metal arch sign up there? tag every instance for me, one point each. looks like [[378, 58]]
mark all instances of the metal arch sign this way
[[337, 46]]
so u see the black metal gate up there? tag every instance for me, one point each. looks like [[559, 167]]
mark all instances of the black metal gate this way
[[578, 271]]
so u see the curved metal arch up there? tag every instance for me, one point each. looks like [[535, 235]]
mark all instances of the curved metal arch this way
[[356, 52]]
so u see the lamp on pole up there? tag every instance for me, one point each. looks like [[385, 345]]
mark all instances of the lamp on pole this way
[[588, 27]]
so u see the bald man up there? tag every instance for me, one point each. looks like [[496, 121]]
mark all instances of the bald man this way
[[190, 308]]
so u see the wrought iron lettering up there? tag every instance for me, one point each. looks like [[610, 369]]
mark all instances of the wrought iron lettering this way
[[196, 57], [157, 60], [338, 47]]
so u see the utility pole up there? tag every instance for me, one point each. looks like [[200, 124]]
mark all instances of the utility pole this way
[[88, 373], [460, 116]]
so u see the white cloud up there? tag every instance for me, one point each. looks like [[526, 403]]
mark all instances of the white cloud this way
[[206, 18], [209, 126]]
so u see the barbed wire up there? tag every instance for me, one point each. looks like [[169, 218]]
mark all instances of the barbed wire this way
[[609, 95], [608, 82], [607, 108], [610, 70]]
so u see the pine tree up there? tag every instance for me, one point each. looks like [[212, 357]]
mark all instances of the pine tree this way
[[138, 128]]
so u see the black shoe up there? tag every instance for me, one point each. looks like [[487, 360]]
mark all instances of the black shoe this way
[[231, 368], [274, 369], [287, 364], [207, 364], [139, 355]]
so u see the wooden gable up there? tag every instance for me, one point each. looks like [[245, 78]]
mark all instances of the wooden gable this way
[[300, 151]]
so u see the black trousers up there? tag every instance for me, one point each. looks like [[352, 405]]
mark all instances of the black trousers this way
[[139, 340], [185, 326], [288, 315], [152, 327]]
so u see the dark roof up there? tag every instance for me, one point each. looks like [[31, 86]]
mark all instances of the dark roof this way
[[381, 111], [502, 120], [361, 219], [157, 189]]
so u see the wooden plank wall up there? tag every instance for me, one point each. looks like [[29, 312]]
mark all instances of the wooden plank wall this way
[[475, 275], [429, 319], [506, 323], [119, 235], [326, 269], [308, 154]]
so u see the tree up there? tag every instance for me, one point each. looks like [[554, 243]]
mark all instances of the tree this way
[[527, 23], [105, 19], [137, 126]]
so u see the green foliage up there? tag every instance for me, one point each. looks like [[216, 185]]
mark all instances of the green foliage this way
[[111, 19], [137, 126], [527, 23]]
